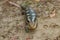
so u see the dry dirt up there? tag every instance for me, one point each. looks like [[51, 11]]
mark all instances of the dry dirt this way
[[12, 22]]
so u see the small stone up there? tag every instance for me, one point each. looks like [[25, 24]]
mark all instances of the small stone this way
[[19, 2], [53, 13]]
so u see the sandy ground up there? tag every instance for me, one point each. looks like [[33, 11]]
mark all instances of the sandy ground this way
[[12, 23]]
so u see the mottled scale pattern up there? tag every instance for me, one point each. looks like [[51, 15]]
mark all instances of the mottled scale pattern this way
[[31, 15]]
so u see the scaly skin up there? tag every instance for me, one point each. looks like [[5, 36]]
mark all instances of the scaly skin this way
[[31, 19], [32, 26]]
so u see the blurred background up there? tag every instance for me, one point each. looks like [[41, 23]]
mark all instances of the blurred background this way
[[12, 22]]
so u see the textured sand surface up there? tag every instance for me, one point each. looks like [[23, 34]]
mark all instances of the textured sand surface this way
[[12, 23]]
